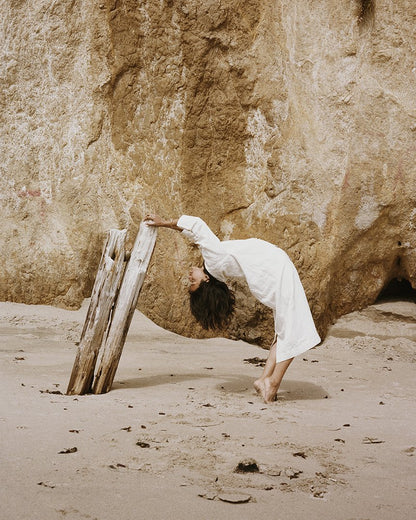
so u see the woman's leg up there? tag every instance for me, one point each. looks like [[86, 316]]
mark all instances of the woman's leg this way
[[270, 363], [272, 383], [267, 370], [268, 383]]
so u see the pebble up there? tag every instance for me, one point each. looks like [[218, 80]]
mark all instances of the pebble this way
[[300, 454], [292, 473], [235, 498], [372, 440], [69, 450], [46, 484], [247, 466], [208, 496]]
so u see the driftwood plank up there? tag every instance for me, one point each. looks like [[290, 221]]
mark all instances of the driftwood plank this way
[[107, 283], [124, 308]]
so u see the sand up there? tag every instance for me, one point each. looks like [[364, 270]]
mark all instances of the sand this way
[[339, 443]]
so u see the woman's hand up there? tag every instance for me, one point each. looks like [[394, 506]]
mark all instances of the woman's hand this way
[[152, 219]]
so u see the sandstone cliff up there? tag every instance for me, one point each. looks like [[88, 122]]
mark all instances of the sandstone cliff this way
[[289, 120]]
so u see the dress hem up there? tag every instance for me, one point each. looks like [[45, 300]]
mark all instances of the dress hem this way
[[295, 352]]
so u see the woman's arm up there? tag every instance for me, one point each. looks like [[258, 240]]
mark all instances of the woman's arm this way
[[194, 228], [157, 221]]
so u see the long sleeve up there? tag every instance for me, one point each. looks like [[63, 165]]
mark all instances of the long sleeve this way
[[216, 258], [198, 232]]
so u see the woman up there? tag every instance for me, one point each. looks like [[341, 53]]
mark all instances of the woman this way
[[272, 279]]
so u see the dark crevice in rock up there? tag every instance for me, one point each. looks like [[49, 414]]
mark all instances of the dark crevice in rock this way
[[366, 10], [397, 289]]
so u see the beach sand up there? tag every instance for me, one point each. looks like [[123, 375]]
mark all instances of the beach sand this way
[[164, 443]]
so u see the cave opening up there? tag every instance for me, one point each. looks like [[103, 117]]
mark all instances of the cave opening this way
[[397, 289], [366, 9]]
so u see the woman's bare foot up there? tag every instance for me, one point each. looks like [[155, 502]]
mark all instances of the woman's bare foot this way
[[265, 389], [270, 391], [259, 386]]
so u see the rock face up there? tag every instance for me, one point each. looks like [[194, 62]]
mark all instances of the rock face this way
[[290, 120]]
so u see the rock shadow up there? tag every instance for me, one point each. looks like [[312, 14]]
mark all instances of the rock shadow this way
[[289, 390]]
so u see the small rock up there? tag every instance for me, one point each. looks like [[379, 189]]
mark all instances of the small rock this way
[[274, 473], [69, 450], [260, 362], [54, 392], [292, 473], [247, 466], [372, 440], [143, 444], [208, 496], [299, 454], [410, 451], [235, 498], [46, 484]]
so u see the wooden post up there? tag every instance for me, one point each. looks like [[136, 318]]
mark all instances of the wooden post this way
[[124, 308], [107, 282]]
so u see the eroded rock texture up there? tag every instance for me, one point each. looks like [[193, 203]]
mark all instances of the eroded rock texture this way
[[289, 120]]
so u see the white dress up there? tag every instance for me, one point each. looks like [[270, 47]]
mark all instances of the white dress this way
[[271, 277]]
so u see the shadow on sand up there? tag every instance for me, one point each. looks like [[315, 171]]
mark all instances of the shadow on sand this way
[[289, 390], [161, 379]]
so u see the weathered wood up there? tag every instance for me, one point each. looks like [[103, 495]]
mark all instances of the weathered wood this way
[[107, 283], [124, 308]]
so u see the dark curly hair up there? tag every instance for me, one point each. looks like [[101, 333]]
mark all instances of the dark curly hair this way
[[212, 303]]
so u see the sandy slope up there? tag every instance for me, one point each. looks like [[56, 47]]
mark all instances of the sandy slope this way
[[340, 442]]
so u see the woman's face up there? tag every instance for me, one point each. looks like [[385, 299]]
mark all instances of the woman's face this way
[[196, 276]]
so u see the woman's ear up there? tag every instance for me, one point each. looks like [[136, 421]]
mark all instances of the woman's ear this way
[[207, 278]]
